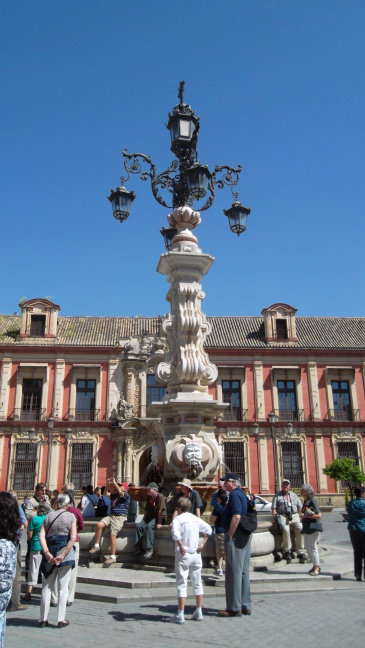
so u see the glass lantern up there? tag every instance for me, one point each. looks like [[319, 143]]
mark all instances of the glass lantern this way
[[121, 201], [197, 179], [237, 216]]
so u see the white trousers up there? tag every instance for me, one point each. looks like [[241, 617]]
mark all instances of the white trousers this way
[[34, 565], [62, 576], [311, 546], [188, 565], [73, 579]]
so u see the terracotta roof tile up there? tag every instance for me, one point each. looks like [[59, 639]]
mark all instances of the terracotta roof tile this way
[[227, 332]]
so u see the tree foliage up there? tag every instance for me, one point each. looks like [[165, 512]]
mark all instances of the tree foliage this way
[[347, 471]]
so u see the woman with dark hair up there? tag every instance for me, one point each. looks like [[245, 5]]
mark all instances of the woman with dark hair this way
[[10, 524], [356, 526], [312, 526]]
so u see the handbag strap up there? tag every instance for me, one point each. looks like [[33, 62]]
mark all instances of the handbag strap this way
[[54, 520]]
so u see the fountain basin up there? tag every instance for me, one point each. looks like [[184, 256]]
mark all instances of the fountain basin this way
[[262, 547]]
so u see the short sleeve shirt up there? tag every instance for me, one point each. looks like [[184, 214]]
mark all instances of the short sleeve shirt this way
[[35, 525], [236, 505], [195, 499]]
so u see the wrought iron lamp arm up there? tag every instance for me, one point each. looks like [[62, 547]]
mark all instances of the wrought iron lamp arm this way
[[230, 177]]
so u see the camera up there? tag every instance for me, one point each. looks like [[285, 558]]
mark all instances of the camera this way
[[290, 516]]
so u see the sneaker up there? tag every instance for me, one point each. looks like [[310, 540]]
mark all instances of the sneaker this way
[[94, 550], [197, 616], [27, 597], [137, 551], [109, 561], [177, 619], [17, 608], [148, 554], [218, 572]]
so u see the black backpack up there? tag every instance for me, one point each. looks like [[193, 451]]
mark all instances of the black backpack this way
[[248, 522], [101, 508]]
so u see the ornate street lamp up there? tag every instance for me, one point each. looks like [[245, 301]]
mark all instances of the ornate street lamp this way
[[168, 234], [186, 178]]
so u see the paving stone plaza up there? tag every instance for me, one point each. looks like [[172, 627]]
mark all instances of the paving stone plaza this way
[[287, 606]]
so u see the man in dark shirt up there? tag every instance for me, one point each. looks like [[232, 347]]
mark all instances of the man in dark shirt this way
[[186, 490], [154, 516], [238, 551], [119, 505]]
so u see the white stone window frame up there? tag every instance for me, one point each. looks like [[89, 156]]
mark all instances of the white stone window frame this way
[[287, 373], [18, 437], [233, 373], [343, 437], [85, 372], [82, 436], [341, 374], [296, 437], [237, 434], [36, 371]]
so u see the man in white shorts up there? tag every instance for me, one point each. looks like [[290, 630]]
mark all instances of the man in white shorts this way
[[188, 561]]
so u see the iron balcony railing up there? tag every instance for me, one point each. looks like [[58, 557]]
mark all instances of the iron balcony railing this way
[[37, 414], [234, 414], [290, 415], [344, 414], [83, 414]]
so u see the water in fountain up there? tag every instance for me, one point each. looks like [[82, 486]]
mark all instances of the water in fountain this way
[[151, 474]]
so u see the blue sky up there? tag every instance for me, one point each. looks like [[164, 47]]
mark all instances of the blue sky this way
[[280, 90]]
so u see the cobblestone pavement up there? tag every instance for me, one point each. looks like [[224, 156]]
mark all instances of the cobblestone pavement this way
[[334, 618]]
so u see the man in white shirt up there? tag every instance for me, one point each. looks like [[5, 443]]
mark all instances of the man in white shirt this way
[[188, 561]]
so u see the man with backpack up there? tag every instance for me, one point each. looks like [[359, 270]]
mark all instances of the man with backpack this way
[[119, 505], [237, 546]]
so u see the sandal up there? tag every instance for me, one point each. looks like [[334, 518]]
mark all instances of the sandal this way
[[315, 571]]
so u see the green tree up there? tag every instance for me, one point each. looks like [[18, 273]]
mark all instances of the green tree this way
[[347, 471]]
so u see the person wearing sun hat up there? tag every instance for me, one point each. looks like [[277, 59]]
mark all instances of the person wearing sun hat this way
[[187, 490], [119, 505], [155, 515]]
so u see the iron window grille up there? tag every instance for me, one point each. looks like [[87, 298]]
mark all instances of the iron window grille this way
[[81, 471], [349, 450], [292, 462], [234, 459], [25, 467]]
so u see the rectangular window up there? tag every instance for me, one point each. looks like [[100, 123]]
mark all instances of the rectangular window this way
[[287, 400], [281, 329], [81, 464], [341, 400], [85, 400], [32, 399], [348, 449], [231, 392], [234, 458], [25, 466], [37, 325], [292, 462], [155, 392]]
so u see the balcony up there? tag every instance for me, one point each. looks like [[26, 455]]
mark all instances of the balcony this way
[[83, 414], [20, 414], [234, 414], [290, 415], [344, 414]]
